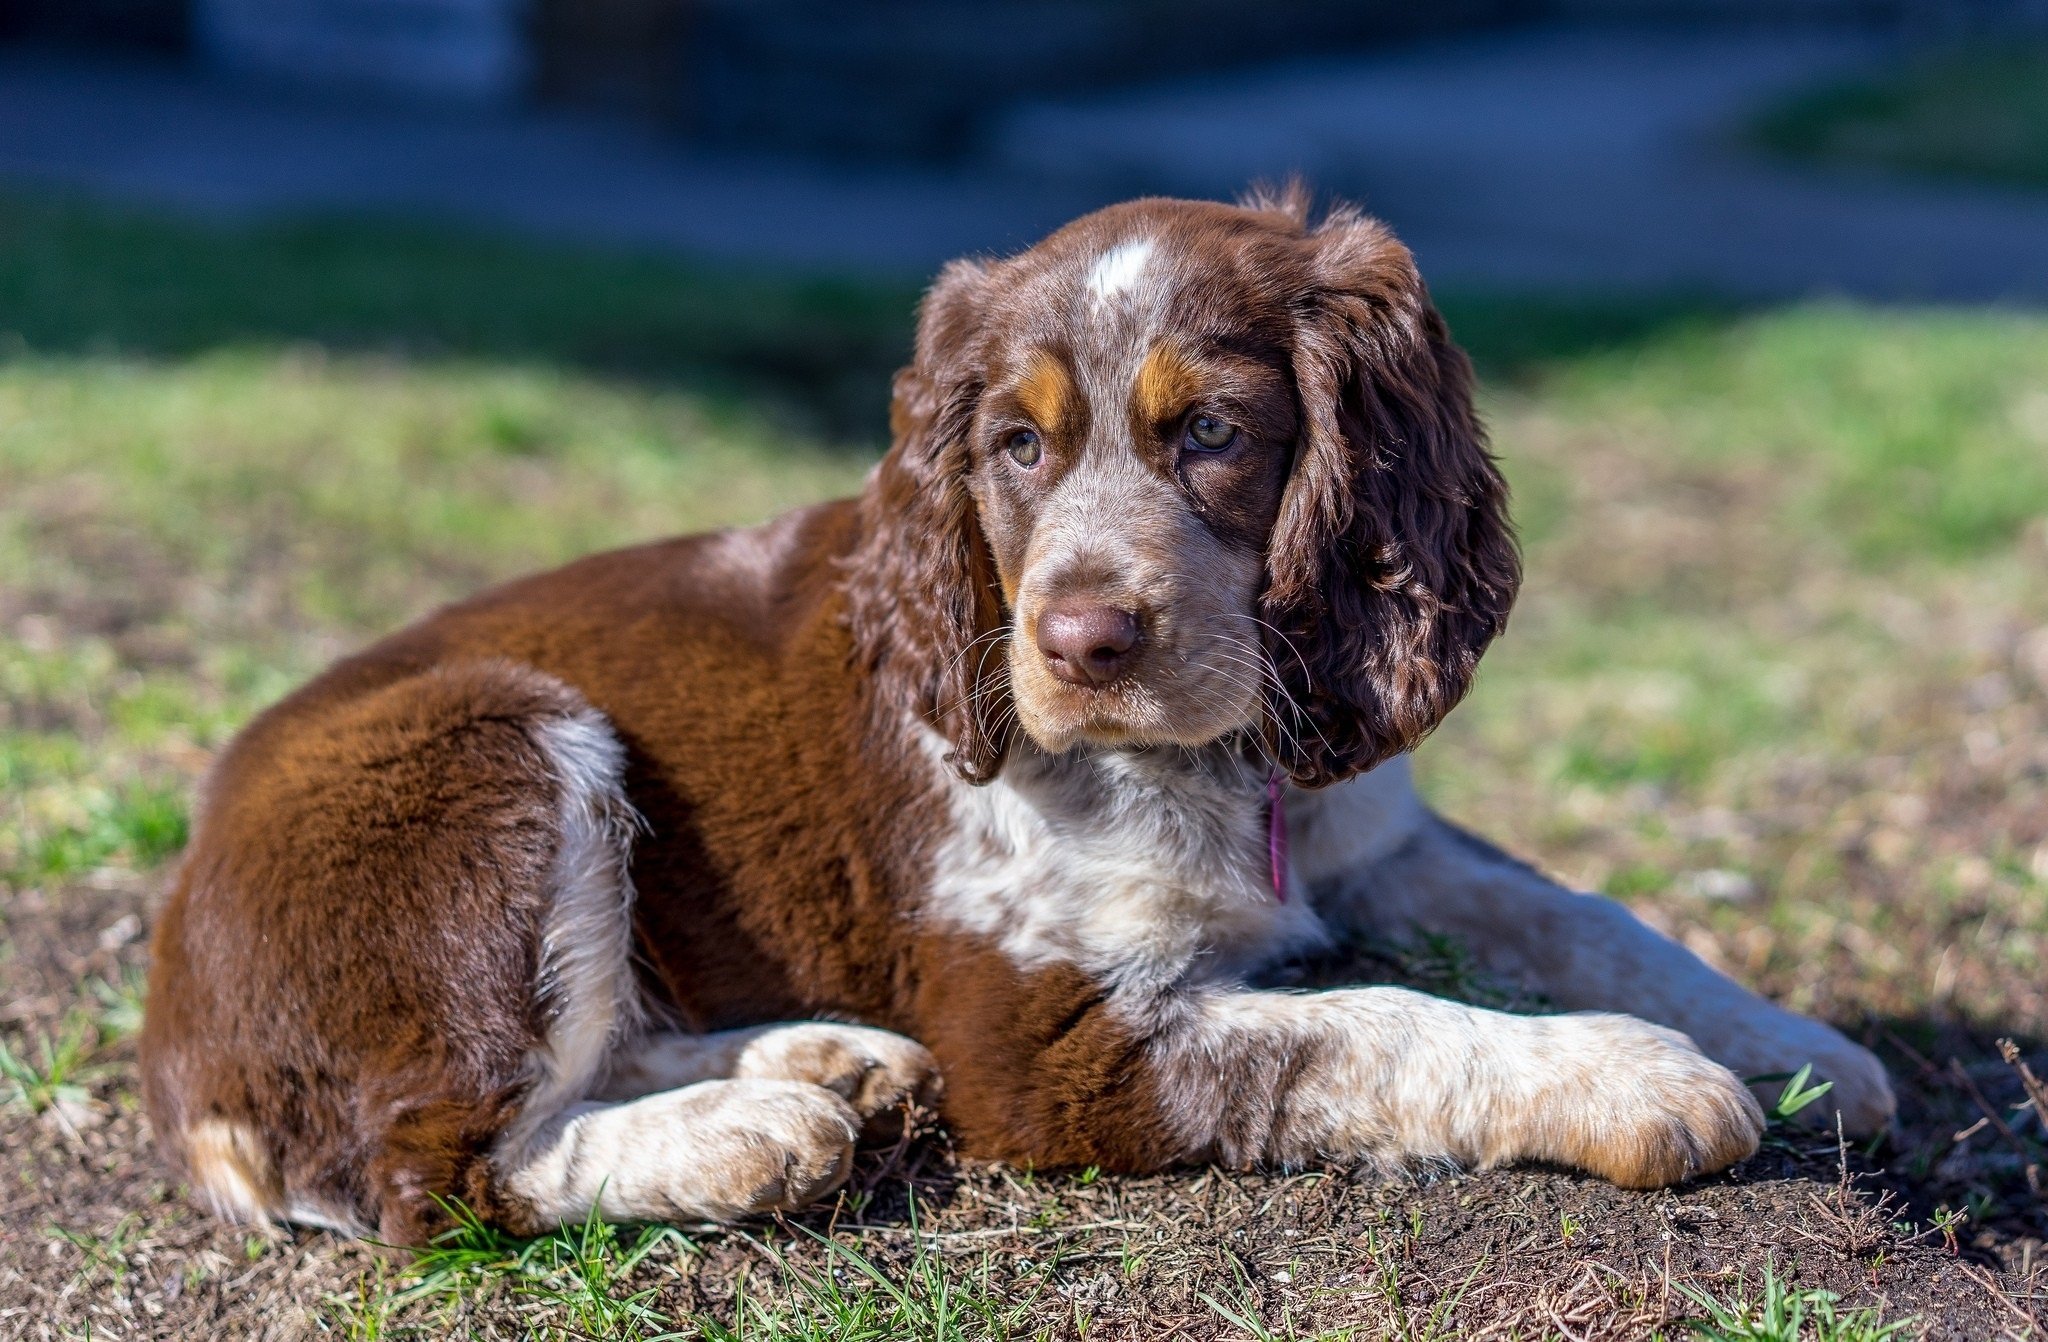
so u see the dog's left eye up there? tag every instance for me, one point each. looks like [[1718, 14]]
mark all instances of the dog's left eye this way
[[1210, 434]]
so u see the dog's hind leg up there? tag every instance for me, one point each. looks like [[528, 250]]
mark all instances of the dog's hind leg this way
[[713, 1151], [875, 1071], [712, 1127], [397, 965]]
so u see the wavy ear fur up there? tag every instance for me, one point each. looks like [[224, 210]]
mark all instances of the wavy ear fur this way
[[1392, 564], [923, 597]]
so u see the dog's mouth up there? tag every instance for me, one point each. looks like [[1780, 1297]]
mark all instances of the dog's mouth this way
[[1109, 715], [1157, 692]]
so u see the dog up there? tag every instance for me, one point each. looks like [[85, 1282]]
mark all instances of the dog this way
[[646, 887]]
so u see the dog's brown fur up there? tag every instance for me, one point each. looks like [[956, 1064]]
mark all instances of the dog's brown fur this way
[[349, 984]]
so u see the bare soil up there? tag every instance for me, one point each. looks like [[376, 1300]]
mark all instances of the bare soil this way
[[94, 1239]]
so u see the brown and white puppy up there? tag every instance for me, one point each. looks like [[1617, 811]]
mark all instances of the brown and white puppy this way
[[552, 902]]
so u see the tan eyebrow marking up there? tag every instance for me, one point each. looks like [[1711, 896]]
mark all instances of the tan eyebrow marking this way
[[1166, 383], [1047, 394]]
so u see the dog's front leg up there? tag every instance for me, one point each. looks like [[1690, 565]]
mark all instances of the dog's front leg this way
[[1055, 1066], [1587, 952], [1402, 1079]]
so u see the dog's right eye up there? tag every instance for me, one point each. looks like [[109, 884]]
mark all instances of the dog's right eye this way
[[1025, 448]]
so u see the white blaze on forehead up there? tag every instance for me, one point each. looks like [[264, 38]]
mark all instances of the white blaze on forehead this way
[[1118, 270]]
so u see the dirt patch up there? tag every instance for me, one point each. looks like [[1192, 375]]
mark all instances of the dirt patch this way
[[94, 1237]]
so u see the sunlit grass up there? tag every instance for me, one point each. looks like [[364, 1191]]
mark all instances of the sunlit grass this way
[[1893, 435], [1745, 512], [186, 538], [593, 1280], [357, 481]]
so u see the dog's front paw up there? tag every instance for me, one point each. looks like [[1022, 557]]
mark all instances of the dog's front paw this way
[[872, 1070], [1640, 1106]]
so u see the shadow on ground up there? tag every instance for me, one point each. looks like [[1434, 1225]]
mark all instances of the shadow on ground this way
[[817, 350], [86, 280]]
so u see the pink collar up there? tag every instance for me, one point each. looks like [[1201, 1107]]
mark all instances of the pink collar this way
[[1276, 834]]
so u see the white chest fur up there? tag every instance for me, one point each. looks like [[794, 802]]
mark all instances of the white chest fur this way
[[1141, 867]]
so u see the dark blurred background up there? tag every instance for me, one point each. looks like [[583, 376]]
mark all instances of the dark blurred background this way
[[1520, 142], [922, 79]]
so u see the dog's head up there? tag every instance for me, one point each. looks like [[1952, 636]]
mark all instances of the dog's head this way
[[1179, 472]]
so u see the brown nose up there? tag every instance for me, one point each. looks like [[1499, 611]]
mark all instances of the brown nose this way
[[1087, 645]]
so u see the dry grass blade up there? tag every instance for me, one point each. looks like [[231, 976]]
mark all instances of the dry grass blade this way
[[2037, 1093], [1991, 1115]]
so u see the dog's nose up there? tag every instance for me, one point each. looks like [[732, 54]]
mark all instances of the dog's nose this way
[[1087, 645]]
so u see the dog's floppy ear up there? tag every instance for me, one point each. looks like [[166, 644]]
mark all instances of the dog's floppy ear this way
[[1392, 563], [922, 592]]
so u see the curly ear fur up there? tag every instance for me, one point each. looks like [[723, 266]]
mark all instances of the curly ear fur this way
[[1392, 563], [925, 603]]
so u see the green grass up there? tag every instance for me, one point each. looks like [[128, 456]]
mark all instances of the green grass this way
[[599, 1281], [1732, 517], [1893, 434], [579, 1277], [1797, 1095], [106, 1254], [1785, 1313], [51, 1072], [588, 1282], [848, 1298], [191, 536], [1977, 112], [118, 1002]]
